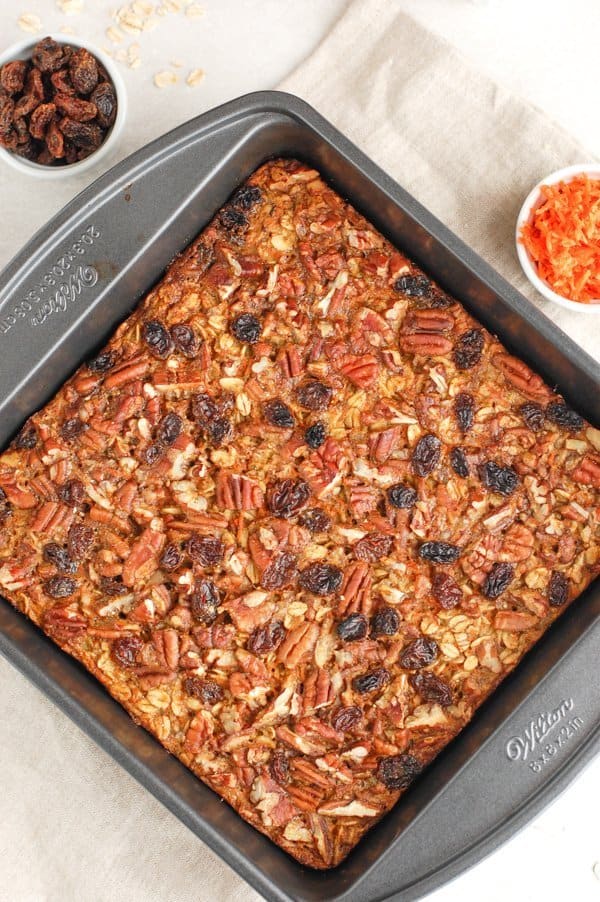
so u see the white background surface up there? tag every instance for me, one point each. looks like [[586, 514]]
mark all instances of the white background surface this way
[[546, 51]]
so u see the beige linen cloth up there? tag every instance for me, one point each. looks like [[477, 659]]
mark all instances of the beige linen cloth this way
[[73, 825]]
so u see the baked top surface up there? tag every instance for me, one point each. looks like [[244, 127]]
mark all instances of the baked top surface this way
[[301, 515]]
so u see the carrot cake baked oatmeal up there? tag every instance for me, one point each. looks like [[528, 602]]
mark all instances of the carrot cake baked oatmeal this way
[[301, 515]]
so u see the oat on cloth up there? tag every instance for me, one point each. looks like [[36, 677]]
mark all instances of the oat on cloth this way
[[75, 825]]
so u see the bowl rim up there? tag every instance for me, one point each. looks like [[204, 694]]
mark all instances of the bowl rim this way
[[22, 49], [529, 204]]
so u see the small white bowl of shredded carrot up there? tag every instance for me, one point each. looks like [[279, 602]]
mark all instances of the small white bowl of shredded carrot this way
[[558, 237]]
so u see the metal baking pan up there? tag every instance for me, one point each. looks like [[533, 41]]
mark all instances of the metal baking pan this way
[[63, 295]]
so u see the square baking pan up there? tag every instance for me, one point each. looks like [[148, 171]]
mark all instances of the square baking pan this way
[[62, 296]]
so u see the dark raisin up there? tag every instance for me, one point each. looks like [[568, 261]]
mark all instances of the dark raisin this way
[[464, 411], [157, 338], [105, 100], [171, 557], [72, 492], [498, 579], [83, 70], [385, 622], [112, 587], [126, 649], [417, 286], [246, 327], [401, 496], [497, 478], [280, 768], [169, 428], [372, 681], [59, 556], [286, 497], [421, 652], [48, 56], [71, 428], [561, 414], [218, 430], [373, 547], [204, 408], [426, 455], [233, 220], [313, 395], [79, 540], [84, 135], [446, 590], [204, 601], [315, 520], [12, 76], [185, 340], [533, 415], [73, 107], [468, 349], [153, 453], [354, 626], [431, 688], [206, 691], [59, 586], [398, 771], [40, 119], [346, 718], [558, 589], [280, 572], [459, 462], [247, 197], [205, 550], [321, 579], [266, 638], [56, 147], [315, 435], [439, 552], [278, 414], [103, 362], [27, 438]]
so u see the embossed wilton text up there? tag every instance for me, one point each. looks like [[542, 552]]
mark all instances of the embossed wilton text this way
[[518, 748]]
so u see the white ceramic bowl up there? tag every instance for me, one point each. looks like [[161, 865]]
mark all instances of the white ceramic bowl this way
[[532, 201], [23, 50]]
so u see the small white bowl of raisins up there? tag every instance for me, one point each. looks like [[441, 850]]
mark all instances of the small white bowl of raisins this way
[[62, 106]]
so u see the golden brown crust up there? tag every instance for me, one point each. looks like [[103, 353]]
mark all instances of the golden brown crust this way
[[301, 515]]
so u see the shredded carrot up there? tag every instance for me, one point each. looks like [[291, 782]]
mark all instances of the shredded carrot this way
[[563, 238]]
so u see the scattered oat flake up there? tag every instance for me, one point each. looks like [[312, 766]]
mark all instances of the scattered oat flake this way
[[70, 7], [172, 6], [131, 23], [194, 11], [135, 63], [29, 22], [165, 78], [67, 29], [195, 77], [141, 8], [113, 34]]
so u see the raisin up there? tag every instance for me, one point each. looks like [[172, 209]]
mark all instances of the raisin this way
[[266, 638], [398, 771], [185, 340], [468, 349], [12, 76], [205, 550], [48, 56], [345, 718], [105, 100], [315, 520], [401, 496], [446, 590], [157, 338], [321, 579], [533, 415], [74, 107], [204, 408], [59, 556], [315, 435], [103, 362], [498, 479], [558, 589], [171, 557], [498, 579], [314, 395], [55, 144], [562, 415], [126, 649], [218, 430], [439, 552], [27, 438], [204, 601], [372, 681], [247, 197], [83, 70], [278, 414], [354, 626], [431, 688], [414, 286], [112, 587], [233, 220], [426, 455], [421, 652], [61, 82], [280, 572], [286, 497], [72, 492], [385, 622], [71, 428], [206, 691], [79, 540], [279, 767], [84, 135], [373, 547], [246, 327], [59, 586], [459, 462], [169, 428], [153, 453], [40, 119], [8, 114]]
